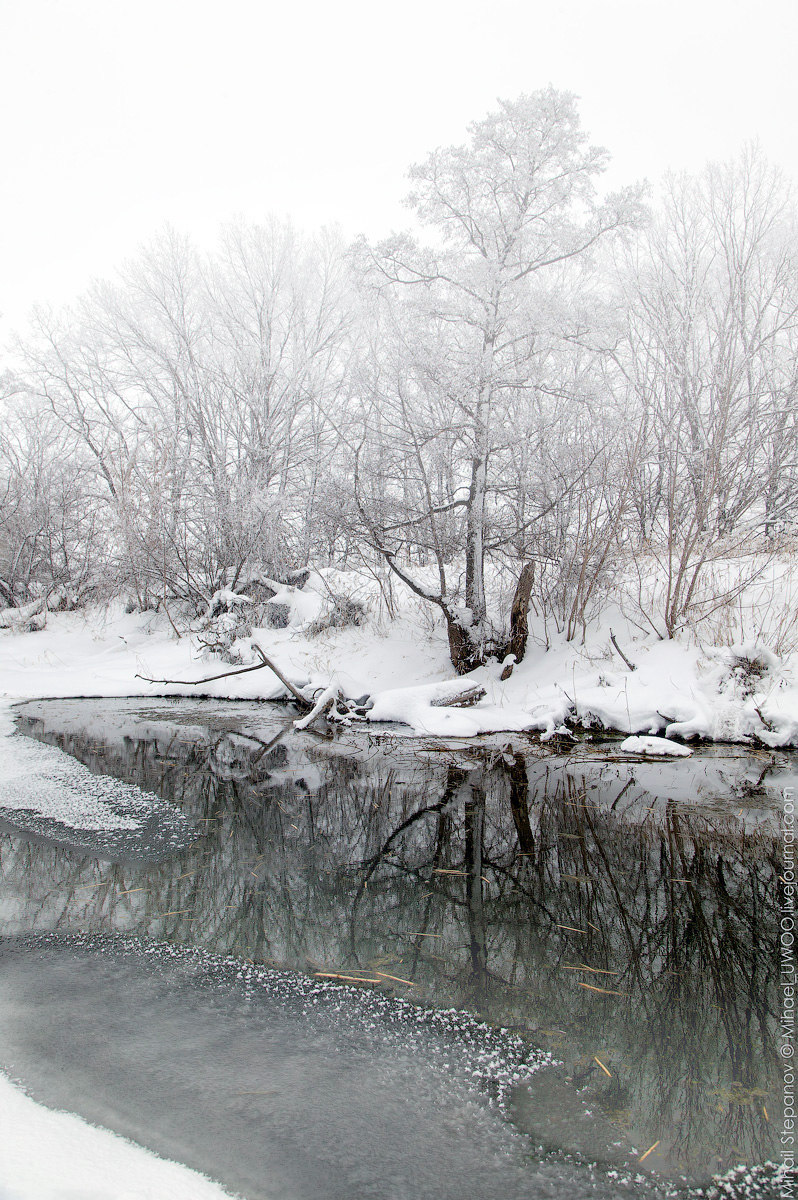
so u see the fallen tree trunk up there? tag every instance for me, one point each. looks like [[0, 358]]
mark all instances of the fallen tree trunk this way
[[327, 702], [300, 699], [463, 699], [331, 703], [15, 618]]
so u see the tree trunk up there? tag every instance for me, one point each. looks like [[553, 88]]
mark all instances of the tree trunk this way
[[475, 542], [519, 628], [519, 806], [475, 521], [465, 653], [474, 828]]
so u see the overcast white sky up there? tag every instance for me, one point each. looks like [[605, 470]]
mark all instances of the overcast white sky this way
[[121, 115]]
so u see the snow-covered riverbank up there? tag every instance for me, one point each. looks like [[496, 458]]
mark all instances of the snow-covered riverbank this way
[[676, 689], [680, 689], [52, 1155]]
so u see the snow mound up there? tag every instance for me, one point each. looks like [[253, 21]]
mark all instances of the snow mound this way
[[655, 745], [303, 605], [414, 706]]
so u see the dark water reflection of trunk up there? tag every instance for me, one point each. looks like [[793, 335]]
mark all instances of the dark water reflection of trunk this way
[[565, 898]]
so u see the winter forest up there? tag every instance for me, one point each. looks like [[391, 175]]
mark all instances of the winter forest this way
[[398, 633], [539, 399]]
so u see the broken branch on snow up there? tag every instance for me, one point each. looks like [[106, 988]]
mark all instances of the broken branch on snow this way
[[265, 662]]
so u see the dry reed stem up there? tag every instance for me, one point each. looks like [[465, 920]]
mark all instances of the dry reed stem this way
[[349, 978], [605, 991]]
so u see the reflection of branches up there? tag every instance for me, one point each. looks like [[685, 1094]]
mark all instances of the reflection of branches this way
[[454, 779], [377, 858], [347, 853]]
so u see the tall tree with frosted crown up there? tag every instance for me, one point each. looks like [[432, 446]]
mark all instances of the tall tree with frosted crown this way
[[508, 210]]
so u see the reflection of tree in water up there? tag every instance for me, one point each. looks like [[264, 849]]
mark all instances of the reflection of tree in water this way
[[511, 885], [683, 913]]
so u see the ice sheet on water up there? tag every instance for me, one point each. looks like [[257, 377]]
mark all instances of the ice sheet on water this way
[[279, 1085], [289, 1088], [50, 794]]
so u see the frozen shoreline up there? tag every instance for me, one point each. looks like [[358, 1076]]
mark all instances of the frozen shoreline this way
[[75, 656]]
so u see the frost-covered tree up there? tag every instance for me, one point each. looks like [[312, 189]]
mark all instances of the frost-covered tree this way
[[709, 359], [52, 545], [202, 388], [504, 220]]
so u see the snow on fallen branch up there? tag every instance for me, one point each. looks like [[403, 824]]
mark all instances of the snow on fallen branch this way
[[332, 703], [328, 704], [460, 699]]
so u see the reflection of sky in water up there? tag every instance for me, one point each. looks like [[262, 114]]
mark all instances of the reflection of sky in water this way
[[610, 910]]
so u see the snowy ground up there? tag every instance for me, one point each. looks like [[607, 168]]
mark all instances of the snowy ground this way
[[678, 689]]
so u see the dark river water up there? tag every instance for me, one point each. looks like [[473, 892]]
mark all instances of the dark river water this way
[[616, 918]]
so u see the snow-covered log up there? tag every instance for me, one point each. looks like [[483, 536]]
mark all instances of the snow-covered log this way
[[28, 616], [461, 699]]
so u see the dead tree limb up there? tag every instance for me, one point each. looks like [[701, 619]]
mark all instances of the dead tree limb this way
[[630, 665], [326, 703], [265, 662], [207, 678], [519, 626]]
